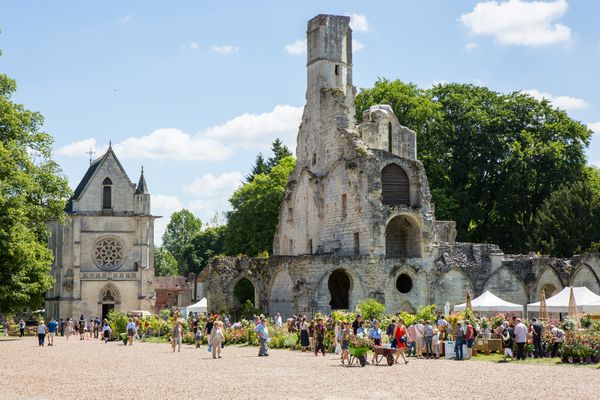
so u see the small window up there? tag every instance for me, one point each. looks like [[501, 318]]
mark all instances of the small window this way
[[344, 206], [107, 197], [356, 243], [404, 283], [107, 181], [337, 69], [310, 248], [290, 214], [390, 137], [314, 159]]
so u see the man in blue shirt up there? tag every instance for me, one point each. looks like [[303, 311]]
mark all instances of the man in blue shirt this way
[[263, 337], [375, 336], [52, 325]]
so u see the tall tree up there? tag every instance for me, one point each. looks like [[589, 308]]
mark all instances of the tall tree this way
[[491, 159], [164, 263], [280, 151], [568, 222], [181, 230], [252, 222], [259, 167], [32, 192], [206, 245]]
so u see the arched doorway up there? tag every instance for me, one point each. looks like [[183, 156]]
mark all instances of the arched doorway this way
[[281, 298], [395, 187], [245, 291], [339, 289], [109, 296], [402, 238]]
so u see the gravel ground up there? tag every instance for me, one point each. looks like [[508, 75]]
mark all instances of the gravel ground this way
[[93, 370]]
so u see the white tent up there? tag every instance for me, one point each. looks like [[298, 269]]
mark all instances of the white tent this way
[[584, 298], [489, 302], [199, 307], [593, 307]]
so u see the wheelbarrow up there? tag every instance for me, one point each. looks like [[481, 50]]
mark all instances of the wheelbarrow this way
[[358, 355], [384, 352]]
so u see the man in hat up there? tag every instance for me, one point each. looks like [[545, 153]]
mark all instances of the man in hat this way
[[263, 336]]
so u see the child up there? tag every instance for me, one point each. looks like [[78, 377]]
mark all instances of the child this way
[[346, 333], [436, 342], [216, 339], [198, 336]]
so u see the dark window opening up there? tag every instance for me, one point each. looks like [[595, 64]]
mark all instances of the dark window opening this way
[[244, 291], [394, 186], [356, 243], [314, 159], [310, 248], [404, 283], [339, 288], [337, 69], [344, 206], [107, 181], [107, 197]]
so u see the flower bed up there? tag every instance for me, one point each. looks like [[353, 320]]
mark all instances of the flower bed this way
[[581, 348]]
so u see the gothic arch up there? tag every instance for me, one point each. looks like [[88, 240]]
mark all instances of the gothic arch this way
[[549, 282], [403, 237], [281, 299], [356, 290], [109, 294], [234, 301], [584, 275], [395, 186], [504, 284], [452, 288]]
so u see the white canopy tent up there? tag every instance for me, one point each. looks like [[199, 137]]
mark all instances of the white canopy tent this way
[[593, 307], [199, 307], [584, 298], [489, 302]]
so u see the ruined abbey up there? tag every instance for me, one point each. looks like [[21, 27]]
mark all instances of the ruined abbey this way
[[357, 220]]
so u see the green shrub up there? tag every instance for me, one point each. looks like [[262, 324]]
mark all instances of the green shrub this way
[[117, 321], [370, 309]]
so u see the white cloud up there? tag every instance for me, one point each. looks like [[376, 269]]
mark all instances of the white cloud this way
[[594, 126], [470, 46], [80, 148], [517, 22], [126, 18], [194, 45], [297, 48], [210, 186], [356, 45], [171, 143], [563, 102], [212, 144], [359, 23], [259, 130], [225, 49]]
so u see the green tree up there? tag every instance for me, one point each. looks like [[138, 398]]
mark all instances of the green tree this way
[[280, 151], [33, 191], [252, 222], [260, 167], [491, 158], [181, 230], [164, 263], [206, 245], [568, 222]]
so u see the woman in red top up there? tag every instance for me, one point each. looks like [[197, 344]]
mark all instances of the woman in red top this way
[[401, 337]]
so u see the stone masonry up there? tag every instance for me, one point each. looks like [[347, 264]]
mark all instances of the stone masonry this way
[[357, 220]]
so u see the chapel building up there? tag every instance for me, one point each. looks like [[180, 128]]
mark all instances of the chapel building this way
[[104, 250]]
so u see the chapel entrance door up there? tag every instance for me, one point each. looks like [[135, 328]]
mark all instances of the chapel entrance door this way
[[106, 308]]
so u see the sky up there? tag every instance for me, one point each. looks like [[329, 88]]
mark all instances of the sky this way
[[194, 90]]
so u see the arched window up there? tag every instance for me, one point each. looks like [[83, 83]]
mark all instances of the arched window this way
[[390, 137], [107, 193], [394, 186]]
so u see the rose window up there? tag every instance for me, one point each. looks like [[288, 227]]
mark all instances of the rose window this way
[[108, 254]]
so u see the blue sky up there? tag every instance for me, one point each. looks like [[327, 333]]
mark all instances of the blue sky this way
[[194, 90]]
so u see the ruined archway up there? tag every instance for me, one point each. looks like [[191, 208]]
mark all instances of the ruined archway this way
[[244, 291], [402, 238], [339, 289], [395, 187], [281, 298]]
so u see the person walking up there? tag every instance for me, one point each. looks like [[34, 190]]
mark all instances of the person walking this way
[[507, 336], [216, 339], [558, 336], [69, 327], [419, 337], [61, 327], [320, 331], [131, 329], [304, 337], [21, 328], [106, 331], [401, 337], [459, 335], [428, 338], [520, 338], [262, 331], [375, 336], [356, 323], [81, 328], [412, 343], [537, 330], [52, 327], [41, 333], [177, 335], [278, 320], [443, 327], [346, 334], [469, 337]]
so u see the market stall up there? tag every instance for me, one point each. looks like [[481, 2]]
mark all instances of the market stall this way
[[488, 302]]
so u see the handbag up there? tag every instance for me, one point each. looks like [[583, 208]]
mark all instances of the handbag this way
[[403, 339]]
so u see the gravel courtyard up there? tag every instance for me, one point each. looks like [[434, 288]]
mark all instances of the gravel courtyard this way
[[93, 370]]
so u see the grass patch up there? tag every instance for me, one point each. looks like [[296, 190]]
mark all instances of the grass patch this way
[[155, 339], [499, 358]]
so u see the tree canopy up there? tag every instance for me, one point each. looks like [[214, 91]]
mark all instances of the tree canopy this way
[[164, 263], [183, 227], [33, 191], [279, 150], [204, 246], [492, 159], [252, 222]]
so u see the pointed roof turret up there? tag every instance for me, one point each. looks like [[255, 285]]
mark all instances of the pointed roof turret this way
[[142, 188]]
